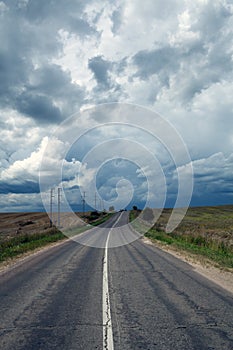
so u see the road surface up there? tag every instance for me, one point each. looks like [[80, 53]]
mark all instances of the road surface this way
[[135, 296]]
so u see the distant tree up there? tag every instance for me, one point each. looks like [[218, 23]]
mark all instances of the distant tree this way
[[148, 214], [135, 207], [94, 215], [111, 208]]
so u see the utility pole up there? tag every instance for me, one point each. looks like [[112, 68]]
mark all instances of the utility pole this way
[[95, 202], [51, 207], [84, 201], [58, 206], [103, 205]]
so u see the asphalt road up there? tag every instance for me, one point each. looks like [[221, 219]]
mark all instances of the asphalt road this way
[[134, 296]]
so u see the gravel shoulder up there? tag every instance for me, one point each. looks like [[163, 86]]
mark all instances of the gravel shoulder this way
[[222, 277]]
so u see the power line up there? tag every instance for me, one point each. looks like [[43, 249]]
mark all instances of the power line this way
[[58, 206], [95, 201], [84, 201], [51, 207]]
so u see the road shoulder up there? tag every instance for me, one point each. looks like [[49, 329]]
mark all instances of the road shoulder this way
[[222, 277], [11, 263]]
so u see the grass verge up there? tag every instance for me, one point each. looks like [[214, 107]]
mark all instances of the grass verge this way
[[191, 240], [25, 242], [101, 220], [217, 252]]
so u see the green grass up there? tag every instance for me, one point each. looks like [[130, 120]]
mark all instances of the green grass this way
[[101, 220], [204, 231], [218, 252], [23, 243]]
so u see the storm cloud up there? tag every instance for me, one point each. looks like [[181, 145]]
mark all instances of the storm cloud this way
[[58, 58]]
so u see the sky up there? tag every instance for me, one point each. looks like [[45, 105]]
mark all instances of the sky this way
[[173, 60]]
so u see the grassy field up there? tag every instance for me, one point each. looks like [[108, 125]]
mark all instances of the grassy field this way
[[15, 243], [204, 231]]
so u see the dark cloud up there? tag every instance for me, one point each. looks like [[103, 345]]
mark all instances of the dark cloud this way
[[116, 20], [14, 65], [100, 67], [66, 14], [21, 187], [211, 19], [29, 38], [107, 89], [153, 62], [50, 79], [43, 89], [39, 107], [50, 86], [197, 57], [213, 180], [177, 56]]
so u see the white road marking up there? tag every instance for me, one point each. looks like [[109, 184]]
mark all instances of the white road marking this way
[[107, 320]]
